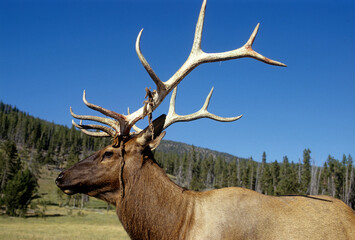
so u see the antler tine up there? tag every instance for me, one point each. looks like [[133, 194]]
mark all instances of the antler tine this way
[[120, 127], [245, 51], [155, 78], [119, 117], [193, 59], [256, 55], [135, 128], [103, 120], [196, 46], [95, 134], [106, 131], [173, 117], [198, 56], [124, 124]]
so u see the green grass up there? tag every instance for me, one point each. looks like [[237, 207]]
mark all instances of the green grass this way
[[64, 223]]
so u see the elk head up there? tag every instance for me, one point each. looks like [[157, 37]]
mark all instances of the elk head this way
[[102, 174]]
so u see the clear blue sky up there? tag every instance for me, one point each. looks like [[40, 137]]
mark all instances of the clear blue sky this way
[[50, 51]]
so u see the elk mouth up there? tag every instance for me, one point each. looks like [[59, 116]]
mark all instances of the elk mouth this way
[[69, 191], [66, 188]]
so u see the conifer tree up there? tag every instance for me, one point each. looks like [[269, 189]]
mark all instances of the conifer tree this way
[[324, 179], [196, 180], [306, 172], [10, 163], [275, 176], [232, 167], [219, 172], [252, 175], [266, 180], [207, 171], [288, 179], [351, 183], [245, 175], [19, 192]]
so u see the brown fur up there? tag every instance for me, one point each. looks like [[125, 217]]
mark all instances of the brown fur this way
[[151, 206]]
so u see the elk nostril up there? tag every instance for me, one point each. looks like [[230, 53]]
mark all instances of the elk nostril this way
[[59, 178]]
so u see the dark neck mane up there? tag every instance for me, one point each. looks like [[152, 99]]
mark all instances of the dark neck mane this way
[[154, 207]]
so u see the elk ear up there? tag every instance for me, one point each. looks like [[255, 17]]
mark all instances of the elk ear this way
[[152, 138], [155, 143]]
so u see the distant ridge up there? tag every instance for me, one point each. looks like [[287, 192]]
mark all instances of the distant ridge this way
[[168, 146]]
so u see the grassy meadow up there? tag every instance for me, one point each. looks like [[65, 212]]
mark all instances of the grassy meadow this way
[[50, 222]]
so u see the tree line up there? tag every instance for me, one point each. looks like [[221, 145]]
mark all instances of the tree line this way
[[52, 142], [195, 171], [27, 143]]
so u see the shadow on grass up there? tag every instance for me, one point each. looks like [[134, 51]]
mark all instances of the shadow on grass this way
[[45, 215]]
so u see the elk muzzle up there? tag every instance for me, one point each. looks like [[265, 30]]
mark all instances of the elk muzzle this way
[[65, 187]]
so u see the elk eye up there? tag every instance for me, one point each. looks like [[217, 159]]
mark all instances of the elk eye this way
[[107, 155]]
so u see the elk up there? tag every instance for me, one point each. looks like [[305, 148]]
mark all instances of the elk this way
[[151, 206]]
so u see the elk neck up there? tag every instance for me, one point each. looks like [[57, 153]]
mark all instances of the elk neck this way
[[153, 206]]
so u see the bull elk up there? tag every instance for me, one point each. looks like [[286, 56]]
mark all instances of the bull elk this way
[[151, 206]]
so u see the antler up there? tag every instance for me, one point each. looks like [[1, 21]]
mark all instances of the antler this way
[[173, 117], [197, 56]]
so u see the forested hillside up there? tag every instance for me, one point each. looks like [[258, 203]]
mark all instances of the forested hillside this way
[[40, 142]]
